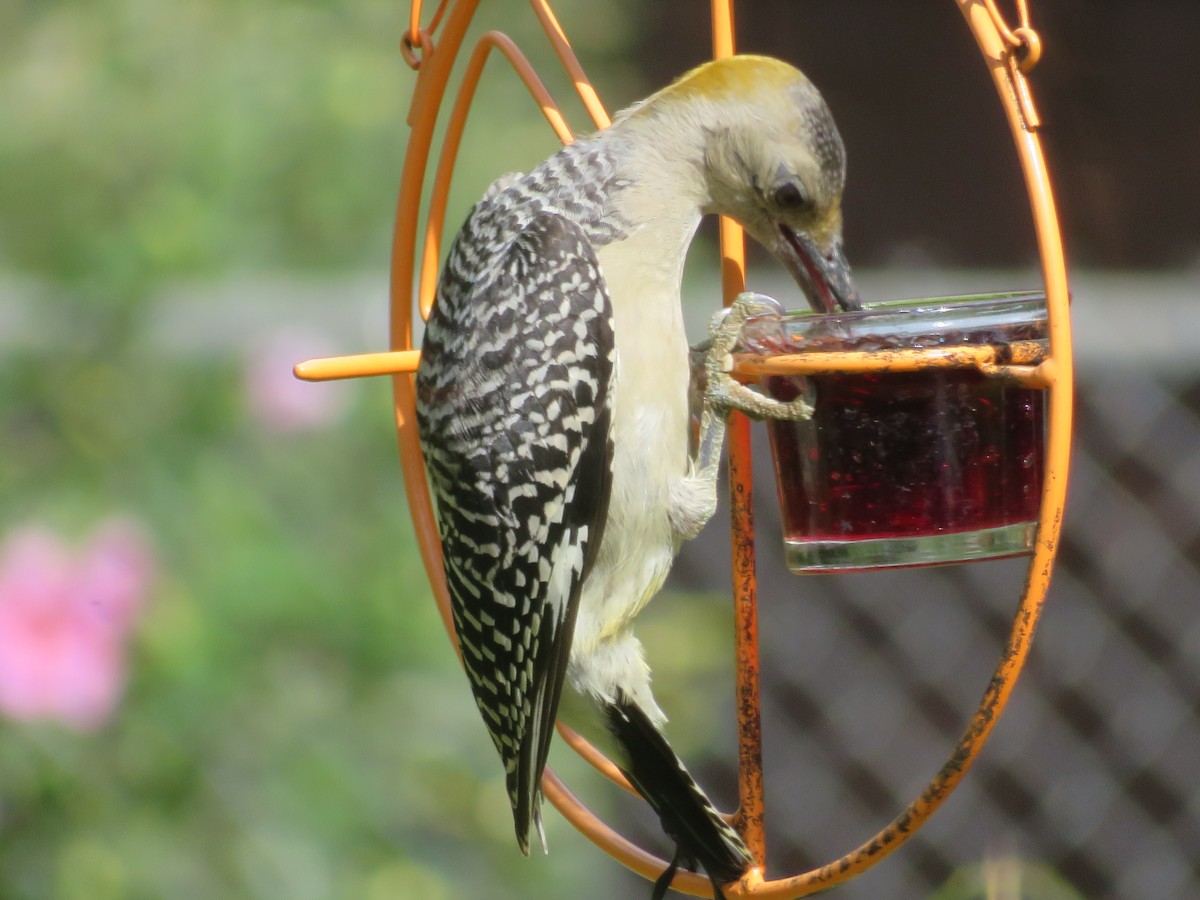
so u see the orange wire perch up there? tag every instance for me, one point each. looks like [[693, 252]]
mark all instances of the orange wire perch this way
[[1010, 53]]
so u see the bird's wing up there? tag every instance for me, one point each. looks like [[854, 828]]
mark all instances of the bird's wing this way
[[514, 415]]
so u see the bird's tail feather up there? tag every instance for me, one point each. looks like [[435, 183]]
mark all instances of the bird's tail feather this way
[[688, 817]]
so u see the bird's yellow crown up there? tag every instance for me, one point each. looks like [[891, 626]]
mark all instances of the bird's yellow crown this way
[[735, 75]]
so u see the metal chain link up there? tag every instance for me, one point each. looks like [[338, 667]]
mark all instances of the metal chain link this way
[[417, 40]]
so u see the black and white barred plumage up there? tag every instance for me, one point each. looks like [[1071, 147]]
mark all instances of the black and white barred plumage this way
[[514, 405]]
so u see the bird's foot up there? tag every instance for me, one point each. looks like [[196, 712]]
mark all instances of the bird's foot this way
[[723, 392]]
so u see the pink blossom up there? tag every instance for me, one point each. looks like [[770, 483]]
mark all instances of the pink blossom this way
[[281, 402], [64, 619]]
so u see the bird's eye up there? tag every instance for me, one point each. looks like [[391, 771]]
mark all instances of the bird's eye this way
[[790, 196]]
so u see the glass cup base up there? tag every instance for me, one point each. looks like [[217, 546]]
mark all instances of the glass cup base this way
[[804, 557]]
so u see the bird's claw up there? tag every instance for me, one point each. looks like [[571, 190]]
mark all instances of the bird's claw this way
[[722, 391]]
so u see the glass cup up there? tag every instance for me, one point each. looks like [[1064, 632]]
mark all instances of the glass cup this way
[[908, 468]]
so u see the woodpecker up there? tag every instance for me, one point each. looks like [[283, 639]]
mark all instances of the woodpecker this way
[[552, 404]]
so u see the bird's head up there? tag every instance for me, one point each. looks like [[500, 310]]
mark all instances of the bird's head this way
[[773, 161]]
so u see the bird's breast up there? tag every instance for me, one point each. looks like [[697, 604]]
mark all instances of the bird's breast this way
[[649, 429]]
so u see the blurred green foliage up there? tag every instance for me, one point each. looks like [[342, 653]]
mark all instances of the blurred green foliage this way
[[1006, 877], [295, 724], [144, 140]]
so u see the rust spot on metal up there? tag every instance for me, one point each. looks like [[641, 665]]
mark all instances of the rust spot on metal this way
[[749, 818]]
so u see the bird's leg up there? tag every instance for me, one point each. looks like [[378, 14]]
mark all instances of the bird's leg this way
[[716, 392], [723, 393]]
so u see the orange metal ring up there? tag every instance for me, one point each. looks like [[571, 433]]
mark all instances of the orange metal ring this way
[[1055, 372], [1029, 48], [408, 49]]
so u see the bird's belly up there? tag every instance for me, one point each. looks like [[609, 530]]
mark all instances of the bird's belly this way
[[649, 460], [649, 433]]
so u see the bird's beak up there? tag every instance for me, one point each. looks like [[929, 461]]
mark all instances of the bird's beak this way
[[822, 272]]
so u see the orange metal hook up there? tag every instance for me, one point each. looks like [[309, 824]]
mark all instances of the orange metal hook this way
[[413, 36], [436, 215]]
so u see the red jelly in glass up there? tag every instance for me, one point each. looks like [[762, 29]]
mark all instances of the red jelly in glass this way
[[907, 468]]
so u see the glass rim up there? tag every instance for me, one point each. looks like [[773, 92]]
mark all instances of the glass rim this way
[[911, 317], [947, 303], [953, 301]]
